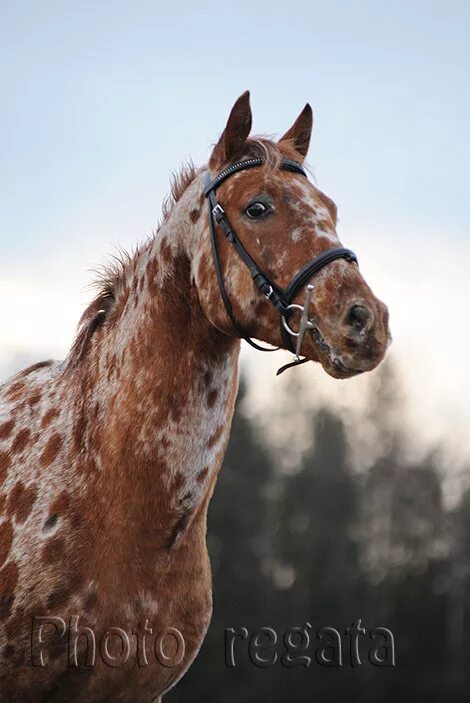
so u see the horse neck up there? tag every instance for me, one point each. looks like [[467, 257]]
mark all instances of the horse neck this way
[[165, 381]]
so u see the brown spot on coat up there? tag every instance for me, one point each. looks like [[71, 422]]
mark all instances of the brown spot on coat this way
[[34, 399], [5, 463], [6, 539], [6, 428], [21, 440], [21, 501], [15, 390], [8, 581], [216, 436], [52, 448], [195, 215], [79, 431], [202, 475], [212, 397], [49, 416]]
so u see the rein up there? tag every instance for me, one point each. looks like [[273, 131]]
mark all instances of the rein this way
[[280, 298]]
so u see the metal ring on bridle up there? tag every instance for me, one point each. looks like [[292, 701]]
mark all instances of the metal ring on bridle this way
[[284, 320]]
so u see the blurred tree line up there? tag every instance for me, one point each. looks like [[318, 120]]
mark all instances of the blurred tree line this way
[[326, 544]]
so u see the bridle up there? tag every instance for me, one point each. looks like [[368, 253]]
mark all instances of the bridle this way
[[281, 298]]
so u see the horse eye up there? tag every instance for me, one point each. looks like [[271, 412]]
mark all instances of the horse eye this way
[[256, 210]]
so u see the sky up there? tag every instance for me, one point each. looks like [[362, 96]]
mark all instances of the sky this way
[[100, 102]]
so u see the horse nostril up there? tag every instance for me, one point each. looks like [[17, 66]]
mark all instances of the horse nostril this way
[[358, 317]]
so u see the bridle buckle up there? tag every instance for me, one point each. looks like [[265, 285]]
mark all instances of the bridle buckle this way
[[218, 212], [269, 293]]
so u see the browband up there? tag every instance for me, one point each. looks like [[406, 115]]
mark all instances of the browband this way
[[286, 165]]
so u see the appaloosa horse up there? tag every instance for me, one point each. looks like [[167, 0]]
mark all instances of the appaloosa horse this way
[[108, 460]]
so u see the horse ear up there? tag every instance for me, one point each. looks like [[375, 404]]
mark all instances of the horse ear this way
[[232, 141], [300, 132]]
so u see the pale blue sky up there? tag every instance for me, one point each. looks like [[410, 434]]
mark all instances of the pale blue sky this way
[[101, 100]]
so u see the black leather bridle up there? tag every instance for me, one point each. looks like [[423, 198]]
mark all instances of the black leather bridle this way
[[281, 298]]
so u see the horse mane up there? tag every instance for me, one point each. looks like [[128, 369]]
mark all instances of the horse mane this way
[[109, 281], [112, 277], [179, 182]]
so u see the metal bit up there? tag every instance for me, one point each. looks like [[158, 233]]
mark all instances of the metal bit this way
[[305, 322]]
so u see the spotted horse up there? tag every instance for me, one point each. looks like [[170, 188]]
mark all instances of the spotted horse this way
[[108, 459]]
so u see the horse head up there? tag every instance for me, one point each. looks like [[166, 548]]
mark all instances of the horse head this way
[[278, 271]]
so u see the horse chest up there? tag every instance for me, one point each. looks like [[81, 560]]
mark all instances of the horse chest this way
[[168, 615]]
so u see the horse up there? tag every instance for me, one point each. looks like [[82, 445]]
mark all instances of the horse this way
[[108, 459]]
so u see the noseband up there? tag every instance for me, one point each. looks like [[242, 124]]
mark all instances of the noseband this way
[[281, 298]]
